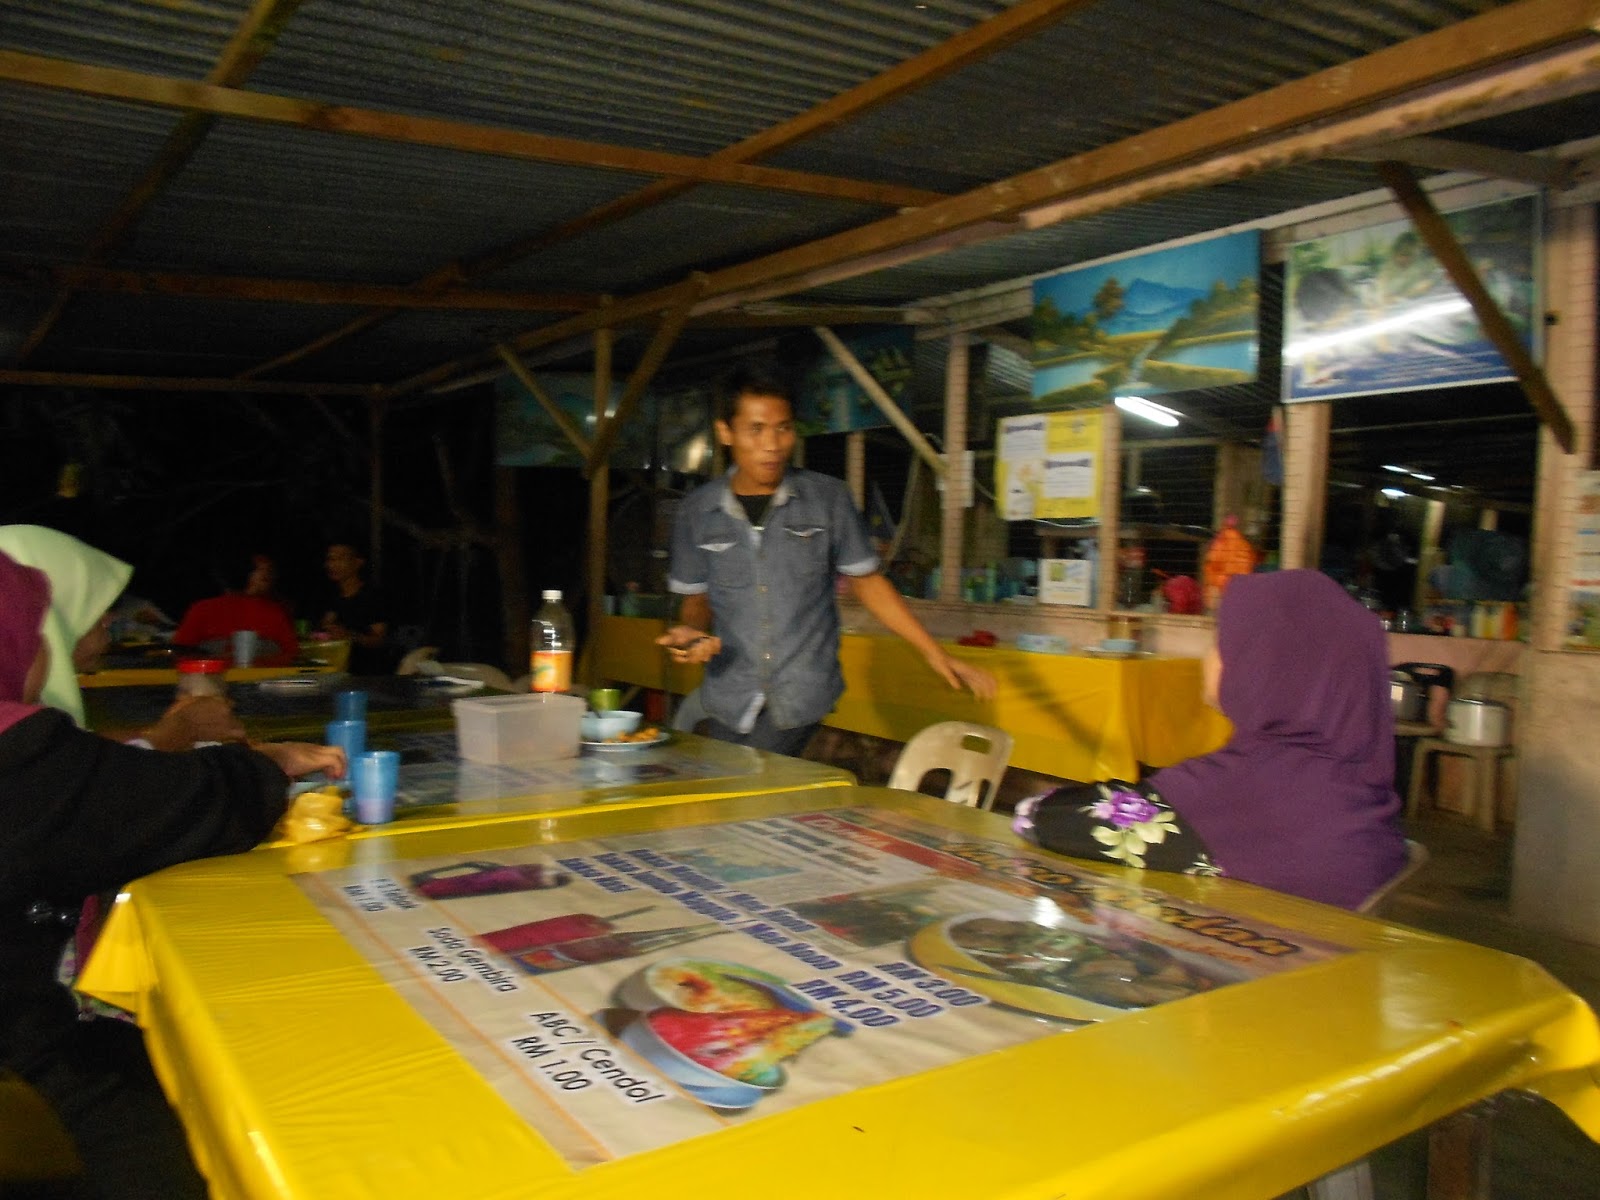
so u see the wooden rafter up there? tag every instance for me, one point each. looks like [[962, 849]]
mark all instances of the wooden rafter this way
[[170, 383], [1500, 332], [249, 45], [546, 401], [1091, 180], [291, 291], [167, 92], [806, 315], [1017, 22], [1446, 154], [672, 322]]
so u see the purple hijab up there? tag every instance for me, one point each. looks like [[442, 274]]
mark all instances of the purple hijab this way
[[24, 599], [1302, 798]]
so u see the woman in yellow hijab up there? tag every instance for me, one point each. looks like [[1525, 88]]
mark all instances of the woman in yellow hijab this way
[[84, 582]]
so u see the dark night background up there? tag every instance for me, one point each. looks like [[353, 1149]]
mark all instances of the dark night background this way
[[169, 481]]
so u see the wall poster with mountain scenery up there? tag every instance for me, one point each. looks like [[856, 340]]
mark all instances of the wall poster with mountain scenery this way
[[1163, 321]]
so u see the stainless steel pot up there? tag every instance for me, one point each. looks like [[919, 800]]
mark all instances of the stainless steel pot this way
[[1408, 697], [1477, 722], [1409, 687]]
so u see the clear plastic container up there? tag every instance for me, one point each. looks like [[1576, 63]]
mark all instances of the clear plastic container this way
[[512, 729], [551, 645]]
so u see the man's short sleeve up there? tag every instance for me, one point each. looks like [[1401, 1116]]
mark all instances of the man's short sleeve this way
[[853, 551], [688, 573]]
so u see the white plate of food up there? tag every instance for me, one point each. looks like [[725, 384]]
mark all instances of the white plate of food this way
[[630, 741]]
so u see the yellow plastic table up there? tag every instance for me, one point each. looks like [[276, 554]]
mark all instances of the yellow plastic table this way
[[301, 1069], [1076, 716], [446, 792], [168, 676]]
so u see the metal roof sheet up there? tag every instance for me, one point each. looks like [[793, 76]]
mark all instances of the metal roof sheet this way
[[686, 76]]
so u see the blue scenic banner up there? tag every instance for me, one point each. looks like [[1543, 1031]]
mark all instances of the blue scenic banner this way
[[1164, 321]]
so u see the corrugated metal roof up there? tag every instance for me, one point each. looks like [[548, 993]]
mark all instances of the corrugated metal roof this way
[[179, 37], [686, 76], [66, 163]]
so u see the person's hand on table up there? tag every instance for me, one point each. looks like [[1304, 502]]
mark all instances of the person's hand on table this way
[[295, 759], [194, 719], [687, 644], [960, 674]]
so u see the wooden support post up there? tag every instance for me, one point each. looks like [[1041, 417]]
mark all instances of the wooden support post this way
[[1437, 234], [599, 505], [1428, 555], [1237, 471], [514, 607], [884, 401], [1306, 430], [855, 467], [1458, 1156], [605, 437], [957, 479], [546, 402], [1110, 507], [376, 406]]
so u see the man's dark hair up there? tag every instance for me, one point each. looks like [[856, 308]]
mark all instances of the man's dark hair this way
[[751, 379], [358, 547]]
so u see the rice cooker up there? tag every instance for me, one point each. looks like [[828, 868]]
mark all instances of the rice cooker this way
[[1472, 722]]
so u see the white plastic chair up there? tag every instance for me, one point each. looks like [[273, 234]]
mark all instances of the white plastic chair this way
[[1416, 859], [975, 755]]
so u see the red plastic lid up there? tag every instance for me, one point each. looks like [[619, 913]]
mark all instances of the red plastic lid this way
[[202, 666]]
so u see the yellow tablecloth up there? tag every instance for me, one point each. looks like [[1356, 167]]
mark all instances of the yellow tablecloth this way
[[1073, 715], [301, 1073], [1069, 715]]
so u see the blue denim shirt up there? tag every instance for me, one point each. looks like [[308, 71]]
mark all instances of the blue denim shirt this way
[[771, 594]]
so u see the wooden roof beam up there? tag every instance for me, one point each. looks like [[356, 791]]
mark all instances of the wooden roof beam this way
[[1496, 327], [1187, 154], [568, 427], [168, 383], [1019, 21], [250, 43], [797, 315], [1445, 154], [666, 334], [164, 91], [290, 291]]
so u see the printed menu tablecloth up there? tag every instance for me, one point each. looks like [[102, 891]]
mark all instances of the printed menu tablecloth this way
[[629, 992]]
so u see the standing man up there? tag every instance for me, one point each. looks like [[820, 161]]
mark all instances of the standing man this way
[[756, 553], [356, 611]]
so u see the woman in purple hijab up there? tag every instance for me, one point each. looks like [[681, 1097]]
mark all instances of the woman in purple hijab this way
[[1301, 799]]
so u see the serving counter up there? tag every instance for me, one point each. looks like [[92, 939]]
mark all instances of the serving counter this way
[[847, 991]]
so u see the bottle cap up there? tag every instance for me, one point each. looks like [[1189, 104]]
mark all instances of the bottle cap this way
[[550, 594], [202, 666]]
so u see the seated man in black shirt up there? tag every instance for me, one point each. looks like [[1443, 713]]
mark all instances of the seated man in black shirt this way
[[357, 612]]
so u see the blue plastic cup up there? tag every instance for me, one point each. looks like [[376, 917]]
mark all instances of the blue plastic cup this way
[[350, 736], [375, 777], [350, 706]]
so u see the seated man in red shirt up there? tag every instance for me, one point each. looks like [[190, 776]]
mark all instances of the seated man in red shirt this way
[[210, 624]]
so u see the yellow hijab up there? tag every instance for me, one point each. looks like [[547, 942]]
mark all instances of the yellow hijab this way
[[83, 583]]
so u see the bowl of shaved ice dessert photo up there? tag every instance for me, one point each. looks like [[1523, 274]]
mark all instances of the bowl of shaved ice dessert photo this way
[[721, 1031]]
